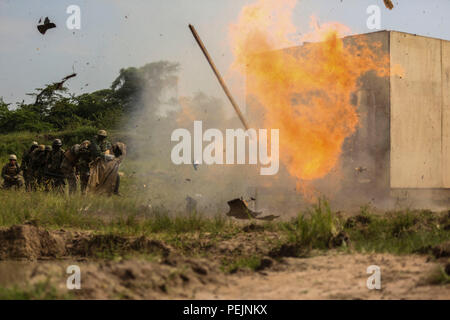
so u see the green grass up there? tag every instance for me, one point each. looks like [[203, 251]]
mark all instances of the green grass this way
[[314, 229], [252, 263], [438, 277], [124, 215], [400, 232], [39, 291]]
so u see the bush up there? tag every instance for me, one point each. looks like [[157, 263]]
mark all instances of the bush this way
[[316, 229], [17, 143]]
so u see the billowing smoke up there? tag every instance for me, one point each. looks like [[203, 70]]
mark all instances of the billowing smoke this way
[[156, 112]]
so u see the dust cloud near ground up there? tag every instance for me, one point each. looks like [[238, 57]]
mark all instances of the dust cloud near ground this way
[[158, 111]]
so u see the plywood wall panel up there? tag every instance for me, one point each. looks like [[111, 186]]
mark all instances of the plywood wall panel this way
[[446, 113], [416, 105]]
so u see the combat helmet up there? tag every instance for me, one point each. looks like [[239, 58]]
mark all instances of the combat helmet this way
[[34, 145], [102, 133], [57, 143], [41, 147], [84, 146], [76, 148], [12, 157], [85, 143]]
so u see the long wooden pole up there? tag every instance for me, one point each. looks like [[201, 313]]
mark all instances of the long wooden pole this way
[[219, 77]]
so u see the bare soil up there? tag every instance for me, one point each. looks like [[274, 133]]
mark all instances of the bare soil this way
[[156, 270]]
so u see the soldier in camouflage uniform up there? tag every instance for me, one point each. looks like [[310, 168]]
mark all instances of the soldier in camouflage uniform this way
[[68, 166], [53, 166], [37, 164], [46, 179], [119, 151], [102, 148], [100, 145], [11, 174], [26, 166], [84, 160]]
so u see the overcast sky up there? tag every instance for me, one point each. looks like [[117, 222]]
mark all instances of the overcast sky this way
[[117, 34]]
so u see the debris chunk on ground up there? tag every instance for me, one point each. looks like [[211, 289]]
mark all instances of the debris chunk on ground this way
[[239, 210]]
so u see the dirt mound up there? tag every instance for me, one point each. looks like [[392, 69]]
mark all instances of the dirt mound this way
[[358, 221], [342, 238], [29, 242], [111, 244], [445, 221], [253, 228], [288, 250], [442, 250], [297, 249]]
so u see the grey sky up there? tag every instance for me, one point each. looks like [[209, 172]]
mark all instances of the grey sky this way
[[117, 34]]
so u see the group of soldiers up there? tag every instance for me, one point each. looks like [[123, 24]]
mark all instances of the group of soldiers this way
[[49, 167]]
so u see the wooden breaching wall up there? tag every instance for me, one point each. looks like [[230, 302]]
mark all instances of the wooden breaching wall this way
[[403, 140], [419, 112]]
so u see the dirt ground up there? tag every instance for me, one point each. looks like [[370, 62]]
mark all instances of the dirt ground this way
[[30, 255], [334, 276]]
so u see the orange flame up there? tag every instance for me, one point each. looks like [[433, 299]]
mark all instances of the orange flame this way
[[305, 93]]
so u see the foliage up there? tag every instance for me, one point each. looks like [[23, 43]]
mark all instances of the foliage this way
[[39, 291], [314, 230], [18, 142], [55, 109], [438, 276]]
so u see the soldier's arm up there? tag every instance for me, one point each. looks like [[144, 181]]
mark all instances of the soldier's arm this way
[[94, 150], [61, 159], [23, 165], [4, 175], [108, 154]]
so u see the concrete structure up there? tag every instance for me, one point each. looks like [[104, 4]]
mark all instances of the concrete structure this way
[[404, 137]]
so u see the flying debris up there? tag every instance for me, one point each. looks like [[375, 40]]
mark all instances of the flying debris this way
[[360, 169], [60, 84], [45, 26], [388, 4], [239, 210], [55, 86]]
